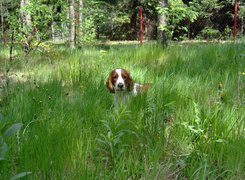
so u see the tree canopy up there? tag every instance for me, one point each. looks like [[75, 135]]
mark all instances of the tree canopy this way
[[30, 22]]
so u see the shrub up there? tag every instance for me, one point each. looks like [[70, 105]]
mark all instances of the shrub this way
[[210, 33]]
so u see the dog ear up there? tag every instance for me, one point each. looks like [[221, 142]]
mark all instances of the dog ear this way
[[129, 83], [109, 85]]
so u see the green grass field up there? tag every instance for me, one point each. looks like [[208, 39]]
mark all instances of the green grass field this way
[[190, 125]]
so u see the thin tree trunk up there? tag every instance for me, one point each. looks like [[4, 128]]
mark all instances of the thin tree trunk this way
[[21, 15], [28, 16], [25, 20], [63, 27], [2, 19], [72, 25], [162, 21], [80, 20], [11, 47], [76, 20], [52, 31], [28, 25]]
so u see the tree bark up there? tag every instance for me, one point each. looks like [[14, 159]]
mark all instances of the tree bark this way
[[52, 31], [162, 21], [25, 20], [80, 20], [11, 47], [2, 20], [28, 16], [21, 15], [72, 25]]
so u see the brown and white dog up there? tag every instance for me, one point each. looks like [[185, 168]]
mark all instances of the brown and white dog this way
[[121, 83]]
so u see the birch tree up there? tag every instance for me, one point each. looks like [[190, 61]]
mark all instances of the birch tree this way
[[25, 20], [72, 25], [162, 21], [80, 20]]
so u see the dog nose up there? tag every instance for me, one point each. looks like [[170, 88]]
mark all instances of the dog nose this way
[[120, 85]]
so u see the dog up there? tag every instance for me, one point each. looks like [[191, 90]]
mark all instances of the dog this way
[[121, 84]]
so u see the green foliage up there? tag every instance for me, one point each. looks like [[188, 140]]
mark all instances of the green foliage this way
[[227, 33], [119, 134], [103, 19], [241, 12], [6, 132], [20, 175], [177, 12], [209, 33], [116, 20], [194, 18], [210, 19], [41, 13]]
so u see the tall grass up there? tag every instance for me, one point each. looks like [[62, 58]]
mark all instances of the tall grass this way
[[189, 125]]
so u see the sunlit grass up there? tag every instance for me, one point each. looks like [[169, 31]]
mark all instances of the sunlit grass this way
[[190, 124]]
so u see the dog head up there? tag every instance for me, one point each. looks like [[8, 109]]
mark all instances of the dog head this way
[[119, 80]]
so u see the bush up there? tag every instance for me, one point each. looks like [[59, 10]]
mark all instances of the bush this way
[[210, 33]]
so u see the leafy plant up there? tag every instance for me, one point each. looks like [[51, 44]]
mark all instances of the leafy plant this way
[[210, 33], [177, 13], [7, 132], [118, 133]]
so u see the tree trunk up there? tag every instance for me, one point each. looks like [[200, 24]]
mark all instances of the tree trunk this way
[[72, 25], [52, 31], [21, 15], [11, 47], [28, 16], [25, 20], [80, 20], [2, 20], [162, 21]]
